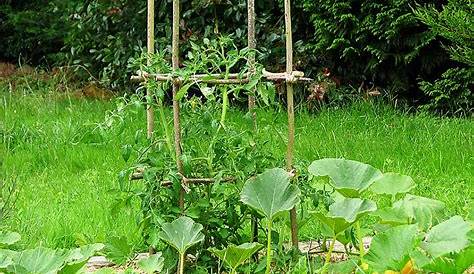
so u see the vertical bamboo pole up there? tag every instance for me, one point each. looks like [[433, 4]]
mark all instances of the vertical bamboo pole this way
[[176, 86], [251, 45], [291, 113], [150, 50]]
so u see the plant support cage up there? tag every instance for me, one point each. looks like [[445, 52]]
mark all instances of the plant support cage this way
[[290, 77]]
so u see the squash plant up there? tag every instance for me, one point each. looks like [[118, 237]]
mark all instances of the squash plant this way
[[42, 260], [270, 193], [236, 255], [410, 232], [181, 234]]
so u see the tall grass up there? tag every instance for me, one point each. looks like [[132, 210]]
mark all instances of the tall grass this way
[[65, 155]]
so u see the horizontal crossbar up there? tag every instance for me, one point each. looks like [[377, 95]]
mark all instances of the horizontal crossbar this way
[[233, 78], [198, 181]]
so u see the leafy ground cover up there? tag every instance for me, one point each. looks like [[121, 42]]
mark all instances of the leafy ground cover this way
[[65, 153]]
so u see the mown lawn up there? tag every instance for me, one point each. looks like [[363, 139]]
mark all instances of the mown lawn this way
[[65, 157]]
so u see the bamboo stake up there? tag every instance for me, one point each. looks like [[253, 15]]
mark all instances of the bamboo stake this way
[[251, 45], [150, 50], [176, 85], [291, 113]]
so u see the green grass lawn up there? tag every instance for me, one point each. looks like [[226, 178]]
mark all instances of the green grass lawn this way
[[65, 158]]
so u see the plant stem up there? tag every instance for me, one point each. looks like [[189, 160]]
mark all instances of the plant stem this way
[[361, 242], [269, 246], [328, 255], [225, 103], [181, 263], [165, 128]]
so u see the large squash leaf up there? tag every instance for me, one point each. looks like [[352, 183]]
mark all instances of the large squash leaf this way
[[78, 258], [393, 184], [411, 209], [270, 192], [344, 213], [455, 263], [392, 216], [350, 178], [421, 210], [390, 250], [182, 233], [8, 238], [5, 261], [235, 255], [40, 260], [154, 263], [446, 237]]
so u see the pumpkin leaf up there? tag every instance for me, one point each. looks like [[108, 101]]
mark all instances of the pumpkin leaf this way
[[347, 266], [5, 261], [270, 192], [40, 260], [350, 178], [344, 213], [393, 184], [390, 250], [392, 216], [235, 255], [421, 210], [78, 258], [446, 237], [8, 238], [154, 263], [182, 233], [455, 263]]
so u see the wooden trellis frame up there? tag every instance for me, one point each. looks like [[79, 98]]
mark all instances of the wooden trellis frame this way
[[290, 77]]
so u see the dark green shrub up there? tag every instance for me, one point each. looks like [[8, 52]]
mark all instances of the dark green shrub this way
[[452, 93], [33, 31], [378, 41], [107, 34]]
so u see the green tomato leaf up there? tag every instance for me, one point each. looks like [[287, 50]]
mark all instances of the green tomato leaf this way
[[154, 263], [446, 237], [126, 152], [270, 192], [350, 178], [118, 250], [393, 184], [182, 233], [390, 249], [8, 238], [183, 91], [234, 255]]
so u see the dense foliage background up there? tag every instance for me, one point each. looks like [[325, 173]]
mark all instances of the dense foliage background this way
[[408, 49]]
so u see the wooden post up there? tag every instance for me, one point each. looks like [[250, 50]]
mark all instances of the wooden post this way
[[251, 45], [291, 113], [176, 86], [150, 50], [251, 63]]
